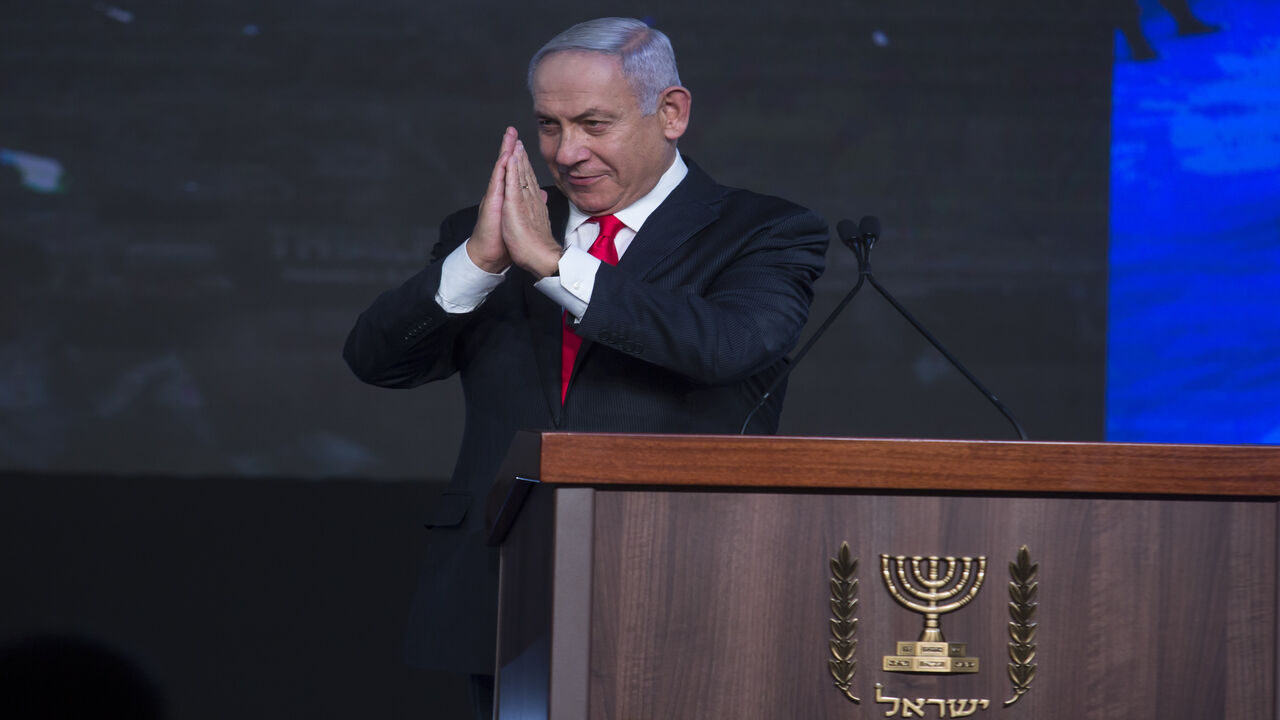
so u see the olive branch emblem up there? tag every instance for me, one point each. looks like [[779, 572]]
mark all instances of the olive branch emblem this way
[[844, 626], [1022, 629]]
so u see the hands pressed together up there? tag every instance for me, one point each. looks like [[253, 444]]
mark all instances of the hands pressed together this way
[[512, 226]]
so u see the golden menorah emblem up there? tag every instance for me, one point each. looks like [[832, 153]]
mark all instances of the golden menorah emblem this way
[[932, 586]]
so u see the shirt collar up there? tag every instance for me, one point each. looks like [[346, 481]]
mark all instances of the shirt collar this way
[[634, 215]]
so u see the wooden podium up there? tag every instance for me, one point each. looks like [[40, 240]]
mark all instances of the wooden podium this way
[[673, 577]]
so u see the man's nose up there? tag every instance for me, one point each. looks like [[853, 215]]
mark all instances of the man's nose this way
[[573, 148]]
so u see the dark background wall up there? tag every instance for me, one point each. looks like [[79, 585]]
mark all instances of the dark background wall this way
[[238, 181], [233, 597]]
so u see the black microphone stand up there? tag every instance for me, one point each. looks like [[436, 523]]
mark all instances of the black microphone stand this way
[[868, 233]]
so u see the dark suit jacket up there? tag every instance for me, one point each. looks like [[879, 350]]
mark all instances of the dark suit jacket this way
[[682, 336]]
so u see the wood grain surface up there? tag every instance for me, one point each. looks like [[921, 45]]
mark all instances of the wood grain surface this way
[[709, 571], [716, 604], [977, 466]]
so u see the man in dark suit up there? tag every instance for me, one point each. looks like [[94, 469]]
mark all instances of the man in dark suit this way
[[522, 298]]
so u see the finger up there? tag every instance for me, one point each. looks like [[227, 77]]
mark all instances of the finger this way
[[527, 175], [515, 183], [500, 168], [513, 172], [509, 138], [527, 181], [513, 164], [497, 179]]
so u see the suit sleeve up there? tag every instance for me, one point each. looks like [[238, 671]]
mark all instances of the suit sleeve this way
[[740, 305], [405, 339]]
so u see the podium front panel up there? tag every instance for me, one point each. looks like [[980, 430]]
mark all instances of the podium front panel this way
[[719, 604]]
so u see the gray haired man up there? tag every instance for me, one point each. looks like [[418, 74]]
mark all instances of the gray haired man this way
[[634, 295]]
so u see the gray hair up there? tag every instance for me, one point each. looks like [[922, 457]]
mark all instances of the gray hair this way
[[648, 62]]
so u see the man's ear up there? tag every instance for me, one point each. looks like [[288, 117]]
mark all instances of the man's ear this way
[[674, 105]]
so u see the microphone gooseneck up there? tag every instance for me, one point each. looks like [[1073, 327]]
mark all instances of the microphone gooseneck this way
[[860, 239], [868, 234]]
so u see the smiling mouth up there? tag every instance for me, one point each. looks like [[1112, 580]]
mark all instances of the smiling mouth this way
[[583, 180]]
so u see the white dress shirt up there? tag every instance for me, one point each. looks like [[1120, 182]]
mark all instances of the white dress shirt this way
[[463, 286]]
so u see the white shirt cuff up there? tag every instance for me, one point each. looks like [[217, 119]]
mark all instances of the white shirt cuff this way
[[463, 286], [572, 288]]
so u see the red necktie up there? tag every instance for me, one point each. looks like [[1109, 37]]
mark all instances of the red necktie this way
[[604, 249]]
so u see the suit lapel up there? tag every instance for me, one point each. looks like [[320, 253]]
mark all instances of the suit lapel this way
[[692, 206]]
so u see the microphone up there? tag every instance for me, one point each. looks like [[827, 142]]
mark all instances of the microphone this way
[[848, 235], [867, 234], [869, 231]]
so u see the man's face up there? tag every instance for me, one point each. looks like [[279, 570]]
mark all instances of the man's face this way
[[603, 152]]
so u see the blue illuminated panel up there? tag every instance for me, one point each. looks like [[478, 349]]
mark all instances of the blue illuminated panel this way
[[1194, 334]]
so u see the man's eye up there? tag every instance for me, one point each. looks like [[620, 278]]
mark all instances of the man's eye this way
[[547, 126]]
